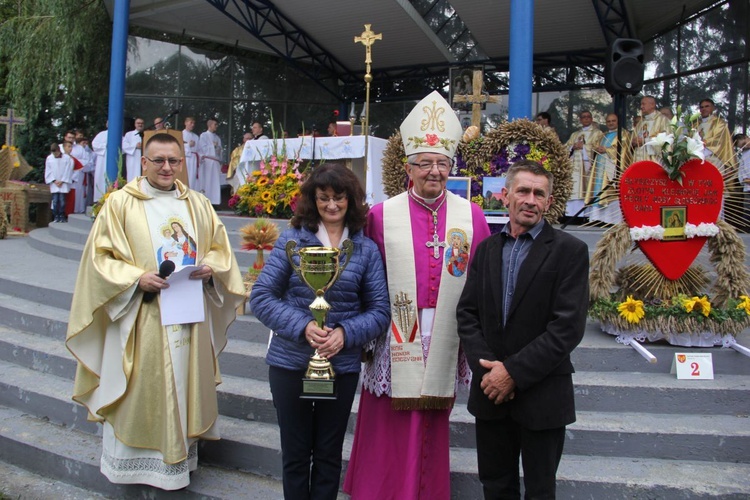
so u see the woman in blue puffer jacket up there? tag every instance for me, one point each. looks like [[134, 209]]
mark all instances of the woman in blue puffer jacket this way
[[331, 209]]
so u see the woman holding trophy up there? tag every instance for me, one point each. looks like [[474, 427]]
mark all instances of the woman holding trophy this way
[[324, 295]]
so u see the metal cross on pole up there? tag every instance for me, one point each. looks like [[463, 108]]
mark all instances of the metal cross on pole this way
[[11, 121], [476, 98], [367, 38]]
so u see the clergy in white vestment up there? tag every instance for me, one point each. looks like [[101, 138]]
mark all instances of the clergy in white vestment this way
[[99, 147], [426, 236], [210, 150], [717, 140], [152, 386], [236, 171], [132, 147], [190, 140], [81, 177], [607, 206], [652, 124], [581, 144]]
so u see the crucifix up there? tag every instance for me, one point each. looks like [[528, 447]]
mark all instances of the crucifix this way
[[436, 245], [11, 121], [476, 98], [367, 38]]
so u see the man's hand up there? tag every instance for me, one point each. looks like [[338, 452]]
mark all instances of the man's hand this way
[[497, 383], [152, 282], [203, 273]]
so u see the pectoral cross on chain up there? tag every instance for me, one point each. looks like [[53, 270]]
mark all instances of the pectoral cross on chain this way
[[435, 244]]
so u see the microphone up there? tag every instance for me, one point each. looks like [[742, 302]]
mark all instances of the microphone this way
[[165, 269], [175, 111]]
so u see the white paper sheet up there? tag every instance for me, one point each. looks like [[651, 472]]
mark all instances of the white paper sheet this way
[[182, 302]]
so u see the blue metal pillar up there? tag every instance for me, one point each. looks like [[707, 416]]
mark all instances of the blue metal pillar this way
[[521, 58], [117, 85]]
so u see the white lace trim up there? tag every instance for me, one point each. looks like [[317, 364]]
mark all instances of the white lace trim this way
[[684, 339], [376, 375], [152, 471]]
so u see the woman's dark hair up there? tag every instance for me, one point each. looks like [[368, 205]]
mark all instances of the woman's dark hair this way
[[341, 180]]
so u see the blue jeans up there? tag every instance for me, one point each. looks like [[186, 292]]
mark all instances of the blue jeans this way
[[58, 206]]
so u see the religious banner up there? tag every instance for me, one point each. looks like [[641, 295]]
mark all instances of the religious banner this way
[[672, 211]]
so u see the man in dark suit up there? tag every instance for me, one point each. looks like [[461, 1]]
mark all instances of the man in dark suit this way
[[521, 313]]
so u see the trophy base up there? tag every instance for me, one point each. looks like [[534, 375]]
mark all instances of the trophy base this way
[[318, 389]]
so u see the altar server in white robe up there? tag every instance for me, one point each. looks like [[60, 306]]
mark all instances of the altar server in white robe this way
[[99, 146], [190, 140], [131, 146], [210, 150]]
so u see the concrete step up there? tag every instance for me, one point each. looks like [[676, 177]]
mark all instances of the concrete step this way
[[72, 456], [727, 394], [43, 240], [645, 435], [29, 305], [16, 482]]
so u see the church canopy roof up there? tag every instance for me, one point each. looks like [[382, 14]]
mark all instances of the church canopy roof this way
[[421, 38]]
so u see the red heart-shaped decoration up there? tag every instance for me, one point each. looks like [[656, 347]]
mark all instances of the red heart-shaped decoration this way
[[645, 188]]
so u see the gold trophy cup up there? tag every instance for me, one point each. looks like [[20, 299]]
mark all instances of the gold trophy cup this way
[[319, 268]]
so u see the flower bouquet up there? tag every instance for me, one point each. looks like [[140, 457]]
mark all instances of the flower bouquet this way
[[111, 188], [273, 190]]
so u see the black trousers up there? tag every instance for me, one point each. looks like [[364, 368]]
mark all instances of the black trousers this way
[[312, 434], [499, 444]]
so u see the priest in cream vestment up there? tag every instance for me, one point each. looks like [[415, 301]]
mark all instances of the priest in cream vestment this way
[[581, 144], [652, 124], [717, 141], [426, 236], [153, 387]]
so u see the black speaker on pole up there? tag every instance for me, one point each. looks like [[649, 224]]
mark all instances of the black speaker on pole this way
[[623, 69]]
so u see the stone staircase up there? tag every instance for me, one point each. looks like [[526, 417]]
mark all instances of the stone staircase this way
[[640, 432]]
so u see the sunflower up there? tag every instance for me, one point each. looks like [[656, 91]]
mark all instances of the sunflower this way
[[745, 304], [632, 310], [266, 195], [270, 207], [701, 305], [262, 181]]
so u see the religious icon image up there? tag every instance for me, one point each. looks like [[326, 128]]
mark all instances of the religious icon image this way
[[460, 186], [673, 221], [457, 253], [492, 188], [176, 243]]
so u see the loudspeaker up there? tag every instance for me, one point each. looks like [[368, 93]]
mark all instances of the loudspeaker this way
[[623, 69]]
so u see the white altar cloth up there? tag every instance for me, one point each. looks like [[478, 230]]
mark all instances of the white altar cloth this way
[[325, 148]]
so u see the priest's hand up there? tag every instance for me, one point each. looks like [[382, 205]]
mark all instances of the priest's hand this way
[[152, 282], [497, 383], [204, 273], [333, 344]]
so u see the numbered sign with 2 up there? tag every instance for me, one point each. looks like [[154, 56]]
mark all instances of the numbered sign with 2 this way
[[695, 365]]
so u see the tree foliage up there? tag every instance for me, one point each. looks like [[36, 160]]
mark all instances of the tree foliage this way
[[55, 48], [54, 69]]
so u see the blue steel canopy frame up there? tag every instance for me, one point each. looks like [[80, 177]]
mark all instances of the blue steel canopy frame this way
[[264, 21]]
